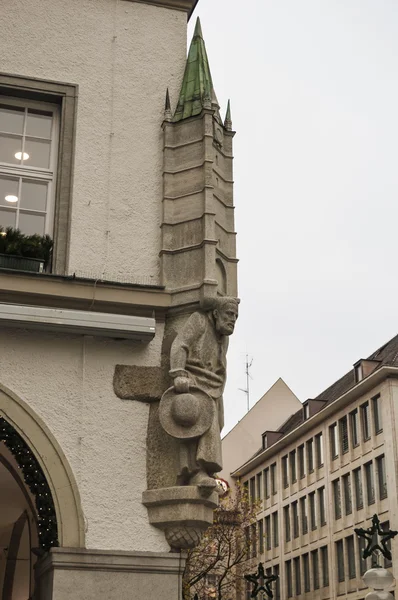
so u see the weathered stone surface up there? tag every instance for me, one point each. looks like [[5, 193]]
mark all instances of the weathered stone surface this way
[[183, 513], [144, 384], [197, 365], [186, 416], [82, 574], [162, 453]]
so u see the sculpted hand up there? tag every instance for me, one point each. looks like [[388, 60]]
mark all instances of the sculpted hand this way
[[181, 385]]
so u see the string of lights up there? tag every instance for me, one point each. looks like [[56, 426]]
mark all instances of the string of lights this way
[[35, 480]]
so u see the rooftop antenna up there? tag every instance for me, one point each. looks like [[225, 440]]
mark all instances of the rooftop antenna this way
[[248, 364]]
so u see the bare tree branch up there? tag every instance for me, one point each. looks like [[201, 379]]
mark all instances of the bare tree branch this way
[[224, 548]]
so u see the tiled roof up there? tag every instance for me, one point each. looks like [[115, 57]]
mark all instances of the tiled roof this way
[[387, 355]]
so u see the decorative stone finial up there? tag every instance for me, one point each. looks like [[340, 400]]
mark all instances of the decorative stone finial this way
[[228, 118], [167, 107]]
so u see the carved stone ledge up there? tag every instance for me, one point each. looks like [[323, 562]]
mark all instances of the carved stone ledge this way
[[183, 513], [143, 384]]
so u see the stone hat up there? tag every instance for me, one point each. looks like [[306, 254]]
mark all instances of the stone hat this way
[[188, 415]]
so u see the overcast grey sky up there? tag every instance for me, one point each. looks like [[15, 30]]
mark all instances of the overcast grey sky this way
[[314, 95]]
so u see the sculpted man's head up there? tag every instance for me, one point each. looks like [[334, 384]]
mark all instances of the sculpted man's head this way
[[225, 314]]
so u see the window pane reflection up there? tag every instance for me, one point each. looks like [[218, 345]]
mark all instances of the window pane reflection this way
[[9, 146], [11, 119], [33, 195], [8, 187], [39, 153], [7, 218], [30, 224], [39, 124]]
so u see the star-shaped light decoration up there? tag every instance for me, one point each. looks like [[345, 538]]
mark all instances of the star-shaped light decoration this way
[[257, 578], [373, 535]]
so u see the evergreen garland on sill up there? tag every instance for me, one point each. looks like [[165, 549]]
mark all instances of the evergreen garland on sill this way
[[16, 243], [36, 482]]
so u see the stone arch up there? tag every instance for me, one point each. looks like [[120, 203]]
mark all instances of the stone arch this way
[[55, 467]]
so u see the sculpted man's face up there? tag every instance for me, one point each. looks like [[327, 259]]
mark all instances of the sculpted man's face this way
[[225, 319]]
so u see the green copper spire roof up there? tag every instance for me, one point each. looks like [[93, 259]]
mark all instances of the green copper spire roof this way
[[197, 85]]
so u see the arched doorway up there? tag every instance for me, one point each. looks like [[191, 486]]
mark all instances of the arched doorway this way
[[54, 465], [39, 499], [28, 525]]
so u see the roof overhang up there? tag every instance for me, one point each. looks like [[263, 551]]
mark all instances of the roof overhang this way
[[355, 392], [184, 5]]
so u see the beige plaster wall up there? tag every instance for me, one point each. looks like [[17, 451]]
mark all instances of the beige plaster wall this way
[[67, 381], [123, 55], [244, 440]]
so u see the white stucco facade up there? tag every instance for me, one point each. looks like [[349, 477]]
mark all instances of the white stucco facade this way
[[67, 381], [123, 55], [79, 414]]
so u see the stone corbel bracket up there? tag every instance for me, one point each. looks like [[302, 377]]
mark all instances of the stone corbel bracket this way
[[142, 384], [183, 513]]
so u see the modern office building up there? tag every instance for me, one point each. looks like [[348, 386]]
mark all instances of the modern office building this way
[[328, 469]]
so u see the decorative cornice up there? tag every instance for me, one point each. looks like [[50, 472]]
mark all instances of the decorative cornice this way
[[185, 5], [82, 294], [109, 561]]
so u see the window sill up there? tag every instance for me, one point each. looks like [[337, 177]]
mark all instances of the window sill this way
[[58, 291]]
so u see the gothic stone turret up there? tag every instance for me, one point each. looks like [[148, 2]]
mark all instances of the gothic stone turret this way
[[198, 266], [198, 256]]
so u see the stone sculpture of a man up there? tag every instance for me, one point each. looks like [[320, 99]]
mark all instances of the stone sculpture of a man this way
[[198, 367]]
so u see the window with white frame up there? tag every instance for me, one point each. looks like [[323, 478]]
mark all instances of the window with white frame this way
[[28, 163]]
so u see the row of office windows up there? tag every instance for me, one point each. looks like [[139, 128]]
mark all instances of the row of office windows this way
[[263, 535], [309, 512], [307, 572], [294, 465], [342, 487], [349, 557], [264, 484], [297, 464], [310, 571], [275, 586], [310, 455], [356, 425]]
